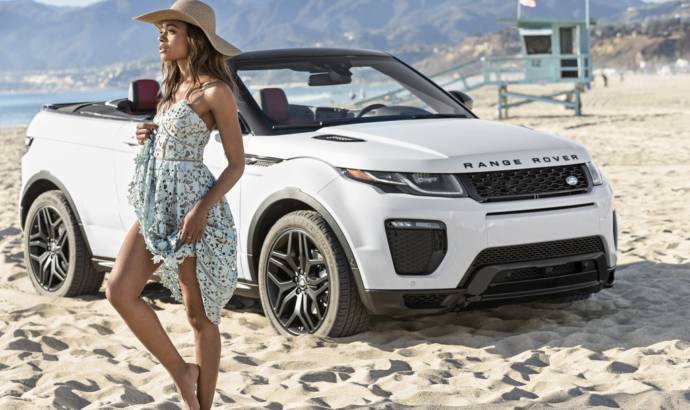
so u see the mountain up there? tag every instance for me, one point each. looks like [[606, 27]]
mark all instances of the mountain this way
[[34, 36], [647, 44], [656, 11]]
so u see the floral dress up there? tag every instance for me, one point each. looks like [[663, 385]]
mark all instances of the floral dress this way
[[170, 177]]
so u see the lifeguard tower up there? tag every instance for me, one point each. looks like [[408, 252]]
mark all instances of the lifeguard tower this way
[[552, 52]]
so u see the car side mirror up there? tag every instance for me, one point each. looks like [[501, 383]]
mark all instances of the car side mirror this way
[[463, 98]]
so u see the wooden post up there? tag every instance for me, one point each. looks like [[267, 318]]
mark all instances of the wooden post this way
[[502, 102]]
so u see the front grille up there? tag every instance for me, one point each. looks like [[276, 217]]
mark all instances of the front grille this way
[[528, 183], [416, 251], [533, 252]]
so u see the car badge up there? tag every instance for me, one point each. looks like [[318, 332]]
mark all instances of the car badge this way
[[571, 180]]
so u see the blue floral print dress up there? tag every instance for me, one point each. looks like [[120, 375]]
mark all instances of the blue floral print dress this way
[[170, 177]]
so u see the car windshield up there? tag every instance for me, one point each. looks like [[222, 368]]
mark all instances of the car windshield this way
[[317, 91]]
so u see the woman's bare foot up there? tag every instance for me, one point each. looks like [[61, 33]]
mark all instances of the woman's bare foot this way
[[186, 386]]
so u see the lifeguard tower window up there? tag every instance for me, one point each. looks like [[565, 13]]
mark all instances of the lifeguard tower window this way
[[540, 44]]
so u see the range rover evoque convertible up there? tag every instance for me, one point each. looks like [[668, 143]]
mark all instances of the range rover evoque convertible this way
[[368, 190]]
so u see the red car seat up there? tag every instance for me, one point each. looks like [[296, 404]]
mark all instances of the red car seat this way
[[144, 95], [274, 103]]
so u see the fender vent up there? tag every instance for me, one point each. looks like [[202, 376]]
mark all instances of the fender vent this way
[[337, 138], [250, 159]]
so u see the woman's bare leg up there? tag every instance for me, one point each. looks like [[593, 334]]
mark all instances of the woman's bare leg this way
[[207, 335], [132, 269]]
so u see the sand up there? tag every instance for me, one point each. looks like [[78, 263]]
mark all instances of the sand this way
[[628, 346]]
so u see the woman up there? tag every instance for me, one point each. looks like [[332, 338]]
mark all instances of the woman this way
[[184, 228]]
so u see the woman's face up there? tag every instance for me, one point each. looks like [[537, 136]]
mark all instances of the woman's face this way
[[172, 40]]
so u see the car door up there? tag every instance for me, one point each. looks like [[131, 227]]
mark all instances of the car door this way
[[124, 151], [216, 161]]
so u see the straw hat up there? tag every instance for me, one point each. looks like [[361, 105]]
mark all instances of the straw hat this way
[[194, 12]]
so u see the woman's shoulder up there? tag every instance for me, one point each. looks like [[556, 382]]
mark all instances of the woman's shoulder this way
[[210, 82], [215, 87]]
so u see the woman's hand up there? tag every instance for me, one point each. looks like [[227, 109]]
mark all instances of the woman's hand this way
[[193, 224], [144, 130]]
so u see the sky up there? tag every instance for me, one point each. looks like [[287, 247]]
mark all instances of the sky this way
[[69, 2], [78, 3], [87, 2]]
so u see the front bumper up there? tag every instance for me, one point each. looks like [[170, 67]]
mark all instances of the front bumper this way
[[489, 287], [386, 287]]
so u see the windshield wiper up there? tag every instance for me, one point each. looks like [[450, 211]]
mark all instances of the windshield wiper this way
[[337, 121], [414, 116], [296, 126]]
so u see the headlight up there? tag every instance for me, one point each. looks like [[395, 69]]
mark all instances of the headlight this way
[[415, 183], [597, 178]]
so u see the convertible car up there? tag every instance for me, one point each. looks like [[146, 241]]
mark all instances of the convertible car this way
[[368, 190]]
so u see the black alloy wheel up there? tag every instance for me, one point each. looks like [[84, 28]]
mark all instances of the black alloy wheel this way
[[48, 248], [298, 285], [306, 284], [56, 255]]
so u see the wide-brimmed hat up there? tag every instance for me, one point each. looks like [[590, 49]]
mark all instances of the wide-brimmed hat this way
[[194, 12]]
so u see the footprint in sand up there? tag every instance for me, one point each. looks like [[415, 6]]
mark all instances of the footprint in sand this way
[[24, 344], [620, 368], [64, 396], [132, 395], [396, 366], [53, 343], [102, 330]]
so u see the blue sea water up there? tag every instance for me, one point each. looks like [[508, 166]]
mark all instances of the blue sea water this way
[[18, 109]]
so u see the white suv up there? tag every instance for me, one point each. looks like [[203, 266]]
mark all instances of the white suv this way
[[349, 205]]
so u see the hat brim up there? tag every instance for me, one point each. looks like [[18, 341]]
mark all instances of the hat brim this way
[[220, 44]]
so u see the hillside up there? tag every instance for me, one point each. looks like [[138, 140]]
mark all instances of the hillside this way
[[54, 48], [642, 45], [646, 46], [104, 33]]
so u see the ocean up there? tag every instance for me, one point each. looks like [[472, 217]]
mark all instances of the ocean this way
[[18, 109]]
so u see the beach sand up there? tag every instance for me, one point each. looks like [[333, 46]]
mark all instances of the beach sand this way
[[628, 346]]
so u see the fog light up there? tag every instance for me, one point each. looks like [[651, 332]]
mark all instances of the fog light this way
[[415, 224], [417, 246]]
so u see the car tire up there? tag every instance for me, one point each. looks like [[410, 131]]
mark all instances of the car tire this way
[[62, 251], [325, 291]]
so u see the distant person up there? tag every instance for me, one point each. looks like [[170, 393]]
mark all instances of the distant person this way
[[605, 78]]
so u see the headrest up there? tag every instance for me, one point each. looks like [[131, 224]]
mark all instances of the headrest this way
[[144, 94], [275, 104]]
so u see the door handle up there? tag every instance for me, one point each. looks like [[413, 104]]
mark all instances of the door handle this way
[[131, 141]]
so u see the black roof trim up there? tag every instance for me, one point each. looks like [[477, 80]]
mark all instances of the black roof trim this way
[[306, 52]]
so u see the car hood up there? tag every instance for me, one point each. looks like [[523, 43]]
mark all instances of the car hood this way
[[427, 145]]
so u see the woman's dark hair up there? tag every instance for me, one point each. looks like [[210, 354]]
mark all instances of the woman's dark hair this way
[[202, 59]]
